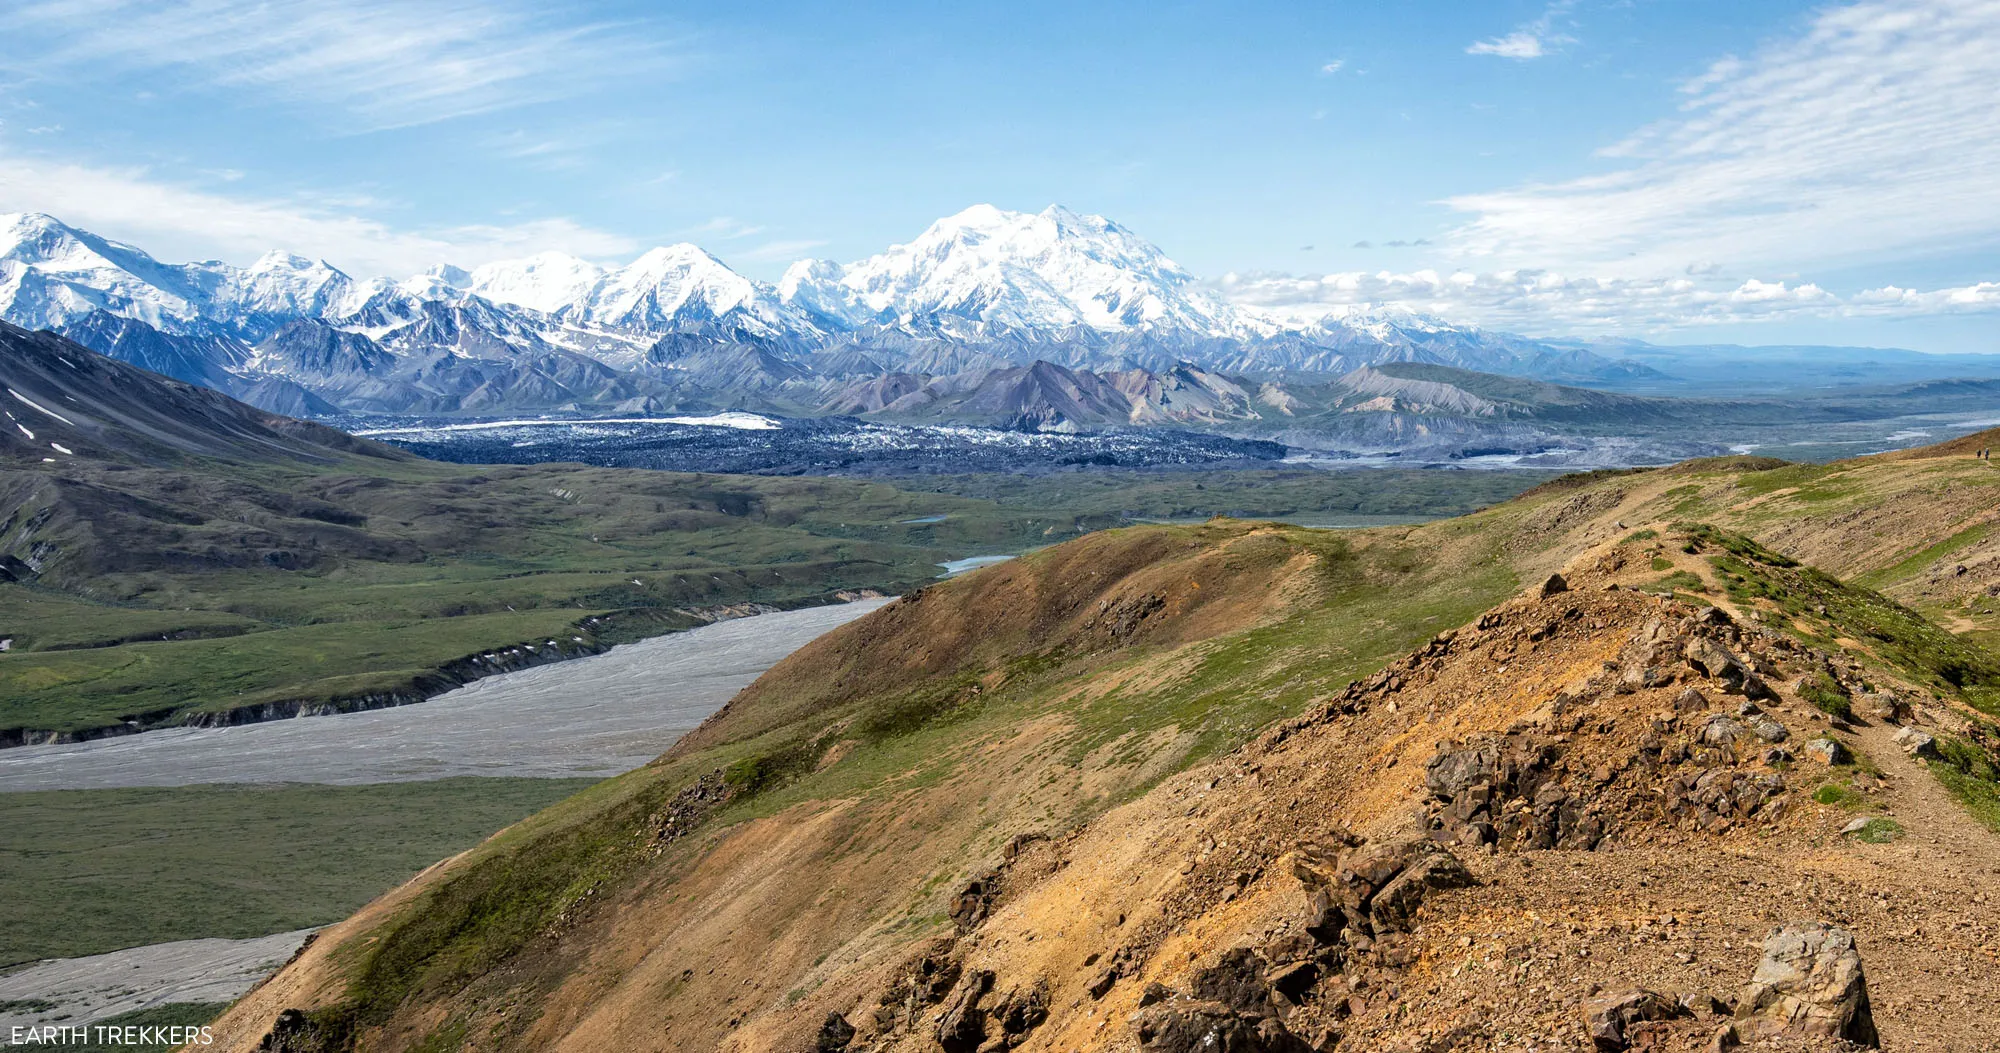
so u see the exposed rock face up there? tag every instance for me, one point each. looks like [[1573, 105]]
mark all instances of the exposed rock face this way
[[1614, 1019], [1364, 901], [1508, 790], [1211, 1027], [295, 1032], [834, 1034], [1810, 982], [973, 1024], [1375, 889], [962, 1028], [975, 900]]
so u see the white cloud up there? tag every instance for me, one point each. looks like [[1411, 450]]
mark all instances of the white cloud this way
[[1520, 44], [1545, 302], [1333, 67], [1529, 41], [178, 222], [1872, 135], [387, 63]]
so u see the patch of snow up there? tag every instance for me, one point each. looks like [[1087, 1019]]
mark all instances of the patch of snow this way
[[32, 404], [60, 448], [953, 568], [737, 420]]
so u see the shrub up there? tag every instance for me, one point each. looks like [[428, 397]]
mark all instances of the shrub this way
[[1826, 694]]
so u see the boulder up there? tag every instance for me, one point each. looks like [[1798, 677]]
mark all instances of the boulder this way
[[1452, 772], [1610, 1018], [1021, 1011], [1396, 904], [1377, 888], [1723, 731], [1553, 584], [1809, 982], [1181, 1026], [975, 901], [1918, 744], [1882, 705], [1237, 981], [1769, 730], [1101, 984], [1827, 751], [834, 1034], [1712, 659]]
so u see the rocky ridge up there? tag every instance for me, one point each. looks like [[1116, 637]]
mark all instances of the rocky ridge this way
[[1634, 730]]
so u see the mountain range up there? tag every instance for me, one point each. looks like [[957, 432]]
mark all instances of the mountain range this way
[[982, 291]]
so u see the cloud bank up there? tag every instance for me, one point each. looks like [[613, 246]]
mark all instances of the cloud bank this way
[[1544, 301], [183, 222], [384, 63], [1874, 134]]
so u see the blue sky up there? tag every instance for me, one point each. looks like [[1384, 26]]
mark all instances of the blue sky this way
[[1681, 170]]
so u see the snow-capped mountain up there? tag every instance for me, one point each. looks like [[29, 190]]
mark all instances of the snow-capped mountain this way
[[667, 289], [52, 274], [981, 290], [1050, 270]]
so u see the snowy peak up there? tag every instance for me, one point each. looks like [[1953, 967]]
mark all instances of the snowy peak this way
[[52, 274], [670, 287], [1054, 269], [666, 283], [547, 282], [284, 284]]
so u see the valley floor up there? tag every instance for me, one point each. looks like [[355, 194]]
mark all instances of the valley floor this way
[[105, 863], [586, 718]]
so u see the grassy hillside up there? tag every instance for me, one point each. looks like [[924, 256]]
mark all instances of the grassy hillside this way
[[828, 817]]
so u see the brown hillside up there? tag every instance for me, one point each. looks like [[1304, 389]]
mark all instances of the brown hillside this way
[[994, 815], [1154, 586], [1638, 847]]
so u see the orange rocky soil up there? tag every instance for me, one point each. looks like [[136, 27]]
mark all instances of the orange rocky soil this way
[[1582, 796]]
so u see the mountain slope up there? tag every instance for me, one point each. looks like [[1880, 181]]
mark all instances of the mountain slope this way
[[64, 401], [994, 814]]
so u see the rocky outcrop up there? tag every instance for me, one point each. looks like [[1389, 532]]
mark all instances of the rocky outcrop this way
[[973, 1023], [1364, 903], [1508, 790], [834, 1034], [1616, 1020], [1810, 983], [1211, 1027]]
